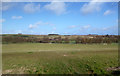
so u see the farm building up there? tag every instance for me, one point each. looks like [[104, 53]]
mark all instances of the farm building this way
[[53, 34]]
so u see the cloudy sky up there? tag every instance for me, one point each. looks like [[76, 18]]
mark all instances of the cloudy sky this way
[[74, 18]]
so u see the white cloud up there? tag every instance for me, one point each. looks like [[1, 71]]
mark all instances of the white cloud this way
[[52, 32], [107, 12], [35, 24], [105, 28], [86, 27], [73, 26], [32, 26], [56, 7], [66, 33], [31, 8], [54, 28], [6, 6], [115, 27], [40, 23], [2, 20], [111, 29], [91, 7], [17, 17]]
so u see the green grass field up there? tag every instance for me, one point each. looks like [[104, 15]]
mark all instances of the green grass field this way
[[36, 58]]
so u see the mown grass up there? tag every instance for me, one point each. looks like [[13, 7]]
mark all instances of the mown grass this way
[[59, 58]]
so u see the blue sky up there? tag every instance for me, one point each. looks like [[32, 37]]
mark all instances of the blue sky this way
[[74, 18]]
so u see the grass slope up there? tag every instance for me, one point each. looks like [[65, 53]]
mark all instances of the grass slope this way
[[35, 58]]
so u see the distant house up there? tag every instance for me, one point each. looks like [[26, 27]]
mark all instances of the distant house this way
[[19, 33], [92, 34], [66, 35], [53, 34]]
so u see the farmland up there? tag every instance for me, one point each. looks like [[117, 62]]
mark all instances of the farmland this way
[[55, 58], [60, 37]]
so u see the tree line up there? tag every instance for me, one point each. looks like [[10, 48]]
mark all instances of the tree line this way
[[60, 39]]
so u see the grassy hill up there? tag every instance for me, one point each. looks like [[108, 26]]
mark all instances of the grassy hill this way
[[40, 58]]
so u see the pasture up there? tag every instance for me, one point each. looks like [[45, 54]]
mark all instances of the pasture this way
[[46, 58]]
